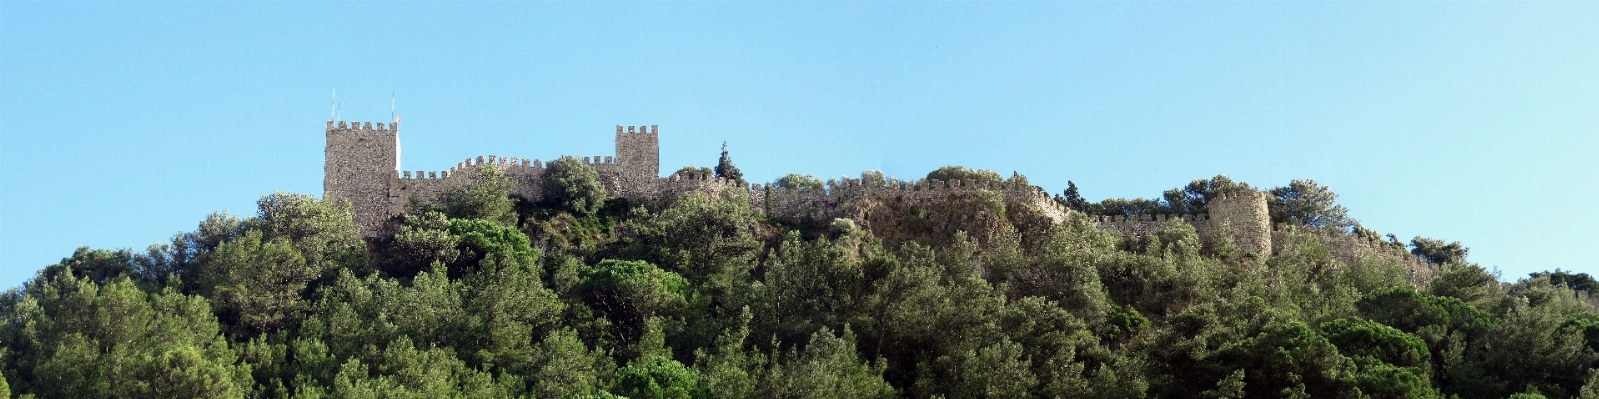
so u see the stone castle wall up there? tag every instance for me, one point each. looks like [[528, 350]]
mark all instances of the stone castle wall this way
[[827, 203], [1243, 214], [363, 166], [1349, 248]]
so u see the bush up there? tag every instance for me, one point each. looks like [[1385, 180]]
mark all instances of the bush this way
[[957, 172], [797, 182], [487, 197], [574, 186]]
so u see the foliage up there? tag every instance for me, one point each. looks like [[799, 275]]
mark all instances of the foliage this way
[[487, 196], [1123, 206], [957, 172], [258, 283], [631, 292], [1436, 251], [1305, 203], [725, 168], [573, 185], [695, 171], [75, 337], [795, 181], [1195, 197], [698, 296], [1571, 279], [1074, 199]]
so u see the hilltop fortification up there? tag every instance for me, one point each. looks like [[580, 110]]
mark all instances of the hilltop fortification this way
[[363, 166]]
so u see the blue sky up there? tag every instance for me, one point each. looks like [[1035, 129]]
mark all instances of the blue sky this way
[[124, 123]]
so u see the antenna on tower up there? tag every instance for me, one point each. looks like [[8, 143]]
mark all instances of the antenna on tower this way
[[391, 106], [333, 107]]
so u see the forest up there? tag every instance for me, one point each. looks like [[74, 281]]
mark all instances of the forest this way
[[482, 294]]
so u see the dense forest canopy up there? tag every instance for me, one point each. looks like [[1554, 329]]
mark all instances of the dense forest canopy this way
[[484, 294]]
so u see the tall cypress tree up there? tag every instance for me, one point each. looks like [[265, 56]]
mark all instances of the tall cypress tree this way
[[725, 168]]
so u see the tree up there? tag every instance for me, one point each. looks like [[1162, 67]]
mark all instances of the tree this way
[[1576, 281], [1292, 357], [1123, 206], [97, 265], [725, 168], [1196, 196], [1436, 251], [957, 172], [829, 367], [694, 171], [83, 339], [486, 197], [259, 283], [1000, 370], [1305, 203], [574, 186], [632, 292], [795, 181], [1392, 363], [658, 377], [423, 239], [568, 368], [1073, 199], [323, 231]]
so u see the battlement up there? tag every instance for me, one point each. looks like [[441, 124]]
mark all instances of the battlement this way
[[1241, 214], [1158, 217], [362, 166], [343, 125], [651, 129]]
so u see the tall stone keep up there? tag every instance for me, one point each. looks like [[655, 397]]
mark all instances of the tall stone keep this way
[[638, 151], [359, 165], [1245, 213]]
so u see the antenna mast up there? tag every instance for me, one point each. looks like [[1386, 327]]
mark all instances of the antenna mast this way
[[391, 106], [334, 106]]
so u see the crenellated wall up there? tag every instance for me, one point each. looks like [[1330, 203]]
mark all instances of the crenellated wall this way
[[1349, 248], [1243, 213], [363, 166], [829, 201]]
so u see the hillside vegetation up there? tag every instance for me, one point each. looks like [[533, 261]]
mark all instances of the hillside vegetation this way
[[486, 295]]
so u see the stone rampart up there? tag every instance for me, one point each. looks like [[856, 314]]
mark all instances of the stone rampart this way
[[1345, 247], [1139, 225], [829, 201], [363, 166], [1244, 214]]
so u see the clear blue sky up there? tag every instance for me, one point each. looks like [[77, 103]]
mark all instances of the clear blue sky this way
[[124, 123]]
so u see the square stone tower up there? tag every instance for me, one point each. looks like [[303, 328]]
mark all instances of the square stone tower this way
[[638, 151], [360, 163]]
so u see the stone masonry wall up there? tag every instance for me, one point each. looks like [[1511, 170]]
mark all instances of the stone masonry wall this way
[[363, 166], [828, 202], [1246, 214], [358, 162], [1243, 213], [1349, 248]]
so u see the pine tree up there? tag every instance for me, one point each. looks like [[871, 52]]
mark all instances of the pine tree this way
[[1075, 200]]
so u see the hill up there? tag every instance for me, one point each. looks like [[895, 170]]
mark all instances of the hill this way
[[579, 292]]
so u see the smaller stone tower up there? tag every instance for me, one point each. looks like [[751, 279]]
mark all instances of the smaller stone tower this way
[[1245, 213], [359, 164], [638, 151]]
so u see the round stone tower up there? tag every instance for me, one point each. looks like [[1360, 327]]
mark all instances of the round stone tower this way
[[1245, 213]]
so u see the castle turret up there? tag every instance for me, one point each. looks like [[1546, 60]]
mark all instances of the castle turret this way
[[638, 151], [359, 164], [1245, 213]]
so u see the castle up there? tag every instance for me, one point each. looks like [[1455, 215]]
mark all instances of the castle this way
[[363, 166]]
